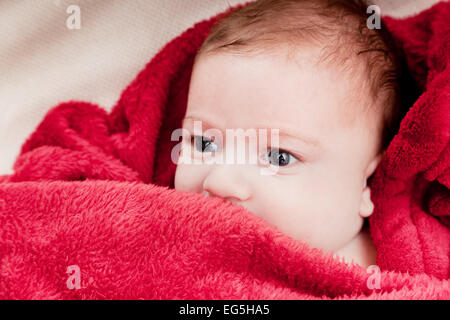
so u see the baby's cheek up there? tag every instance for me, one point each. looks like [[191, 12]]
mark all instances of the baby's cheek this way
[[317, 203], [188, 178]]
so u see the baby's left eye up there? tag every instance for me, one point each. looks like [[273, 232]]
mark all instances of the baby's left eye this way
[[281, 158]]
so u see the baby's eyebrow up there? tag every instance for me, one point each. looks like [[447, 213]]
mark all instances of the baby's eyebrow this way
[[192, 119], [307, 140]]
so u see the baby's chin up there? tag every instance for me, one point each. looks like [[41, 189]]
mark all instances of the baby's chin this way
[[359, 250]]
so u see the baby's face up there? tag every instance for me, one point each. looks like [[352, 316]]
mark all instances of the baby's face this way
[[327, 142]]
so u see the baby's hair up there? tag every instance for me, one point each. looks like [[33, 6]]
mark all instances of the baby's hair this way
[[337, 26]]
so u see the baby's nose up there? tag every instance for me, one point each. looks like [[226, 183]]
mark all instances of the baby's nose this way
[[226, 181]]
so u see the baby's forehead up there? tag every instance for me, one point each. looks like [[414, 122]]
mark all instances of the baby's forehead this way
[[281, 87]]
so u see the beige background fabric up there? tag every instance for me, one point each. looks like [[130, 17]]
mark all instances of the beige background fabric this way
[[43, 63]]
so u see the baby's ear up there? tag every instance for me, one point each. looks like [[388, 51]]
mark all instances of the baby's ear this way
[[367, 206]]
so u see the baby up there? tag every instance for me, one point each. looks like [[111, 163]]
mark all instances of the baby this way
[[314, 71]]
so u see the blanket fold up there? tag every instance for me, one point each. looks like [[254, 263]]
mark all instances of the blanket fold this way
[[90, 211]]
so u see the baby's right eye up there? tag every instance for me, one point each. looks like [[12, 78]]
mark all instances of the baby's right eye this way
[[203, 144]]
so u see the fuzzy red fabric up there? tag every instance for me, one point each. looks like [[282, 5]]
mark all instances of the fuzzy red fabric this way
[[95, 190]]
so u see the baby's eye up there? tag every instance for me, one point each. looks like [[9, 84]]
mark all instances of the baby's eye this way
[[204, 144], [281, 158]]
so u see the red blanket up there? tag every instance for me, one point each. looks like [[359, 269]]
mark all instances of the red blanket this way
[[90, 211]]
